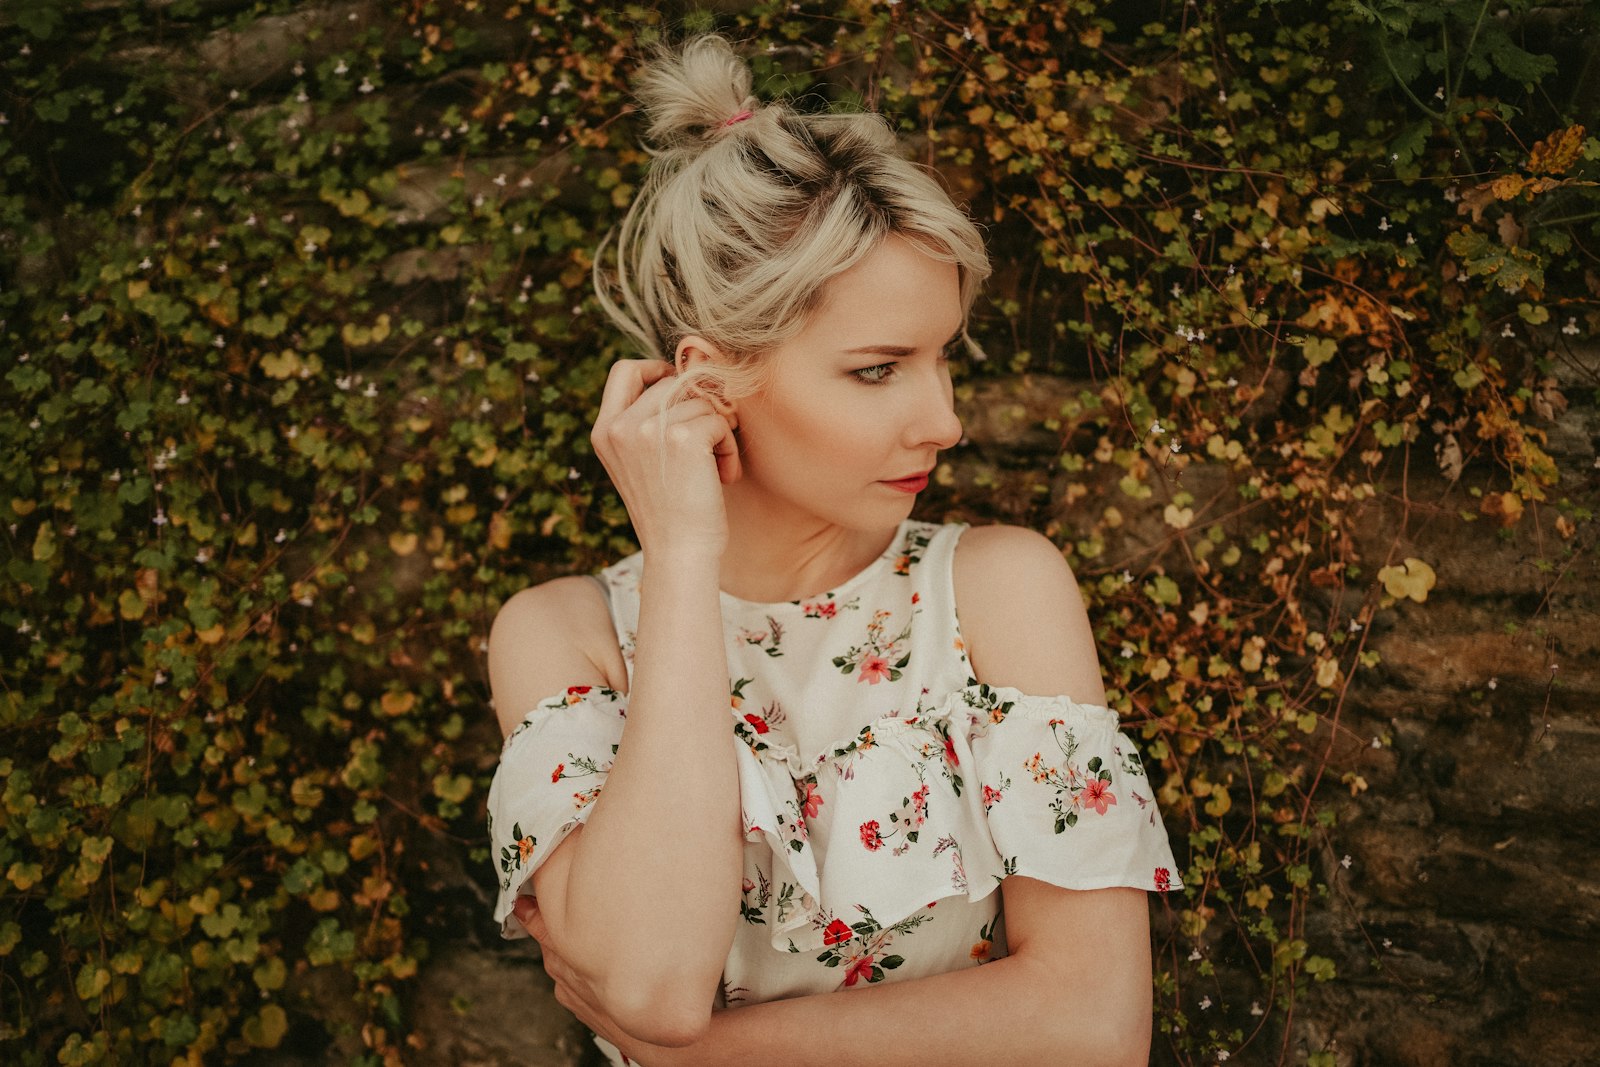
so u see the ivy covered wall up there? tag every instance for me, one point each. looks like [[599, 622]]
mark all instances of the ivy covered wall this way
[[1291, 350]]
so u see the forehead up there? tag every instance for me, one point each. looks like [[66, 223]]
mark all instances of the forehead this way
[[896, 294]]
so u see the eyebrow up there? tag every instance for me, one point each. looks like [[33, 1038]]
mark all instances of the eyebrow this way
[[898, 351]]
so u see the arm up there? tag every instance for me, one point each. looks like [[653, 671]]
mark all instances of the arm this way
[[645, 895], [1076, 987], [1075, 991]]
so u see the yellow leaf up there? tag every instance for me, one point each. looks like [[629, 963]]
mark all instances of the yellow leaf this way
[[1177, 517], [1319, 350], [211, 634], [499, 531], [1413, 579], [280, 365], [137, 289], [395, 704], [266, 1028], [130, 605], [1327, 671], [403, 544]]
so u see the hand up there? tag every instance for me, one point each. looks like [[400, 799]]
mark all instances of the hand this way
[[574, 994], [669, 466]]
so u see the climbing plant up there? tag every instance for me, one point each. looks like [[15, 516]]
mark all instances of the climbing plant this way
[[300, 359]]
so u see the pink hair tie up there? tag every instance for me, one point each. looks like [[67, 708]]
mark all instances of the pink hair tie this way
[[740, 117]]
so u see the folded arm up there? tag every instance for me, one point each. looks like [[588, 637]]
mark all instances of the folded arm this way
[[645, 893]]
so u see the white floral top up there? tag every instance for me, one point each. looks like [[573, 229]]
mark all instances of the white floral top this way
[[885, 792]]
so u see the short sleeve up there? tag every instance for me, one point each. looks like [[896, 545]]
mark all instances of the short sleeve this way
[[1064, 794], [552, 768]]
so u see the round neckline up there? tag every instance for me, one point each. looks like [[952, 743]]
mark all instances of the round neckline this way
[[843, 587]]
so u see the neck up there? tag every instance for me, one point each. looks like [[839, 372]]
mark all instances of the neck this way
[[776, 553]]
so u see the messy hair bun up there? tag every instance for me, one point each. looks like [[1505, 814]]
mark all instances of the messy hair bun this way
[[694, 95], [748, 211]]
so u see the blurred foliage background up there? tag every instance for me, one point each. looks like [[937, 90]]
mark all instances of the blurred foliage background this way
[[299, 359]]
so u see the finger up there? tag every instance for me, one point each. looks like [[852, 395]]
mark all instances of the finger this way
[[627, 379], [527, 913]]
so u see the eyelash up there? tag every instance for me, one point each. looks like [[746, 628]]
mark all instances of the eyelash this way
[[871, 375]]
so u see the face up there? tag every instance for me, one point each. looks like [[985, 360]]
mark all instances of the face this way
[[858, 404]]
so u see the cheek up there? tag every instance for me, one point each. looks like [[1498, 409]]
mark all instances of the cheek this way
[[811, 437]]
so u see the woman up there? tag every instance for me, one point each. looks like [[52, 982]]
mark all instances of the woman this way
[[824, 864]]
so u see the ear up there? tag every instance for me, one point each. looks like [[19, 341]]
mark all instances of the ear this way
[[693, 352]]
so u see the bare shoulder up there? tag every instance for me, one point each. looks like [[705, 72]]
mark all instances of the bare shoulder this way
[[548, 637], [1022, 616]]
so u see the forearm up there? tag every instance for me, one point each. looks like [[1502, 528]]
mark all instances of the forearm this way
[[654, 879], [1008, 1011]]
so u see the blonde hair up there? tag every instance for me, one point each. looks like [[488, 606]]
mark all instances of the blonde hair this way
[[749, 210]]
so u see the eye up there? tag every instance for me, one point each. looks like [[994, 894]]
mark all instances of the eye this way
[[874, 375]]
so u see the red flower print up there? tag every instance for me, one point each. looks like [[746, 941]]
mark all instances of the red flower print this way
[[812, 803], [758, 722], [919, 804], [747, 885], [991, 797], [950, 751], [874, 669], [857, 970], [1097, 794], [576, 691], [825, 609], [870, 836], [555, 775], [916, 598], [980, 951], [1163, 879], [837, 933]]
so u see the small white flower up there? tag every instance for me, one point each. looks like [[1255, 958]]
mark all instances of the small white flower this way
[[484, 407], [1255, 1008], [1155, 427], [1197, 216], [161, 678], [24, 627], [1205, 1003], [531, 376], [342, 68], [1438, 94], [1222, 1055], [1222, 96], [1355, 626], [203, 556], [1507, 331], [1177, 290], [161, 518], [183, 396], [280, 537], [1377, 742], [138, 209], [1411, 238], [299, 69], [1494, 683], [500, 180], [1176, 447], [370, 390], [1194, 954], [292, 432], [219, 342], [366, 86], [966, 35], [1383, 224], [1387, 943], [309, 247], [1571, 328], [572, 474], [251, 219], [1232, 382], [1127, 579], [1265, 244], [301, 97], [145, 264], [1346, 861]]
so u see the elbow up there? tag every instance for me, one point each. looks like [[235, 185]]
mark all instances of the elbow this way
[[668, 1013]]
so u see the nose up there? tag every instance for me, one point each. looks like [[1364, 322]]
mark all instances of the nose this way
[[934, 421]]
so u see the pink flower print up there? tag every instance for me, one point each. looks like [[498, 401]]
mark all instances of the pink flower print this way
[[555, 775], [950, 751], [837, 933], [811, 804], [1097, 794], [822, 609], [870, 837], [991, 797], [858, 969], [919, 806], [874, 669], [747, 885], [1163, 879], [758, 723]]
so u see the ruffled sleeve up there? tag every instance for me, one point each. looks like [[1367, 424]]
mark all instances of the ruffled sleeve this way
[[552, 768], [1064, 795], [989, 783]]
